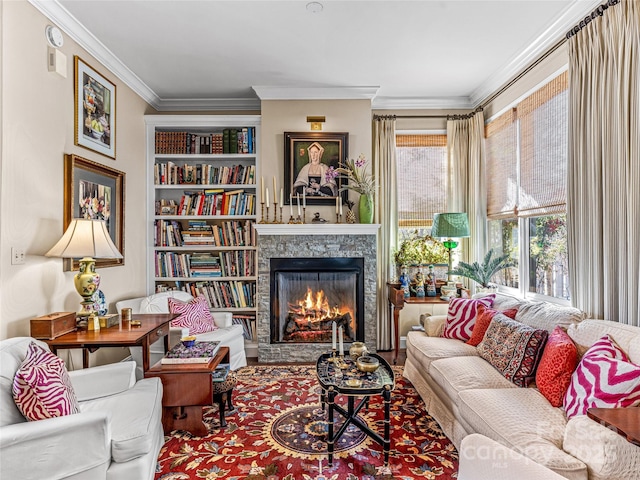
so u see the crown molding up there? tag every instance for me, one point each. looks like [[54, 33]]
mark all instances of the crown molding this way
[[265, 92], [554, 33], [200, 104], [408, 103]]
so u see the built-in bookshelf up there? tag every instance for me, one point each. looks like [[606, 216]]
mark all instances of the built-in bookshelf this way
[[202, 208]]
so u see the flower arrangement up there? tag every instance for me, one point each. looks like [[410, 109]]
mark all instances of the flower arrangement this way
[[356, 175]]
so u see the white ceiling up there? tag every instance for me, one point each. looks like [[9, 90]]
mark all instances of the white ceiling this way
[[187, 54]]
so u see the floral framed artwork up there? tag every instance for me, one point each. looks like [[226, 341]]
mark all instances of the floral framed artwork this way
[[95, 110], [307, 158], [94, 191]]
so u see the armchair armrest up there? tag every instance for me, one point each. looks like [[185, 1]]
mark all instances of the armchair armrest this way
[[57, 448], [103, 381], [434, 325], [222, 319]]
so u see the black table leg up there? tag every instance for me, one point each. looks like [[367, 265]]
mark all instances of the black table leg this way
[[386, 395], [331, 396]]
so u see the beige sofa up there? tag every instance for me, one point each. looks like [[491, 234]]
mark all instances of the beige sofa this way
[[466, 395]]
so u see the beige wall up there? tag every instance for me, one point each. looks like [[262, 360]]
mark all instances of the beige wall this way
[[38, 129]]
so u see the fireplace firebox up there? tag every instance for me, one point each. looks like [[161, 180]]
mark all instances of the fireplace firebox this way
[[309, 294]]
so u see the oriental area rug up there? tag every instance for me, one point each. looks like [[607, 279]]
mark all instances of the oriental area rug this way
[[278, 432]]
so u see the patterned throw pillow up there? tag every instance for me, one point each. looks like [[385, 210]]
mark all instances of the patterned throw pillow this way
[[483, 319], [559, 360], [513, 348], [194, 315], [604, 378], [42, 387], [461, 316]]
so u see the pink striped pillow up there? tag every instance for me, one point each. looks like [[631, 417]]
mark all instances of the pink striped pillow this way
[[461, 316], [42, 387], [604, 378], [194, 315]]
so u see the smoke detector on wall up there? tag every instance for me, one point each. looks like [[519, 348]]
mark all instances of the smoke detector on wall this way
[[54, 36]]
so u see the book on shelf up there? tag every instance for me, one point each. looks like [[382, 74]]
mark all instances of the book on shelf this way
[[221, 372], [200, 352]]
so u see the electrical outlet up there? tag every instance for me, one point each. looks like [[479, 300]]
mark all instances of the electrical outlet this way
[[17, 256]]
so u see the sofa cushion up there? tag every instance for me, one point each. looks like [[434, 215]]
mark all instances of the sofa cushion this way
[[461, 316], [463, 373], [588, 332], [194, 315], [513, 348], [42, 388], [522, 419], [135, 415], [559, 360], [545, 315], [425, 349], [604, 378], [485, 315]]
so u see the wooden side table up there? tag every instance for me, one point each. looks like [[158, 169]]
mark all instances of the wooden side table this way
[[623, 421]]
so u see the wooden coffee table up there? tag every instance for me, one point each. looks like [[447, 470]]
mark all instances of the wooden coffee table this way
[[623, 421], [187, 388]]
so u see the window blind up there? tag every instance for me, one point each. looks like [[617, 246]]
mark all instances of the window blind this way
[[543, 120], [421, 174], [502, 166]]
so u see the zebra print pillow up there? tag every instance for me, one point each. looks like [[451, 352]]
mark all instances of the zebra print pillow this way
[[461, 316], [604, 378], [194, 315], [42, 388]]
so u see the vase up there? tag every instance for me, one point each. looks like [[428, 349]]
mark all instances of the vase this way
[[357, 349], [365, 208]]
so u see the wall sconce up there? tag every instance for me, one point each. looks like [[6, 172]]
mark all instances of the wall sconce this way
[[316, 122]]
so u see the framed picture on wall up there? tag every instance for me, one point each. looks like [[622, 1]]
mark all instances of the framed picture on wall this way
[[94, 191], [307, 158], [95, 110]]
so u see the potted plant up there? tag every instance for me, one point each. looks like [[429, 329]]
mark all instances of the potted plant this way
[[420, 250], [482, 273]]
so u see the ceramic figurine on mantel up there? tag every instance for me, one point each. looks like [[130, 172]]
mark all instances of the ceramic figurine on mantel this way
[[419, 283], [431, 282], [405, 282]]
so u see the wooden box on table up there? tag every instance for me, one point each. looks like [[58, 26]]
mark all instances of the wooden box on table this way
[[53, 325]]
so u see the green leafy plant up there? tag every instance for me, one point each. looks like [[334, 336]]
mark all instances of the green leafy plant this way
[[482, 273], [355, 174], [420, 250]]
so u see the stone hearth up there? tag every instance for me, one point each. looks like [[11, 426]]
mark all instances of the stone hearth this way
[[309, 240]]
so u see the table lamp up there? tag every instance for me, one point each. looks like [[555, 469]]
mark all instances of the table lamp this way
[[88, 240], [449, 226]]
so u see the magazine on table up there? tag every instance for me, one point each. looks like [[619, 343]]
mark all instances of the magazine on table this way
[[200, 352]]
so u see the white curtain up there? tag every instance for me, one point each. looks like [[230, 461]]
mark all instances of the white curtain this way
[[466, 191], [603, 184], [384, 168]]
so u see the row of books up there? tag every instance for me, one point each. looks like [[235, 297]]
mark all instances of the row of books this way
[[203, 174], [230, 140], [249, 326], [219, 294], [209, 202], [231, 233], [236, 263]]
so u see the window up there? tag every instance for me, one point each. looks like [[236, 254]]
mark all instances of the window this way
[[421, 177], [526, 151]]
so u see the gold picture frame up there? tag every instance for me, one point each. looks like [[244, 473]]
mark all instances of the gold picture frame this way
[[93, 190]]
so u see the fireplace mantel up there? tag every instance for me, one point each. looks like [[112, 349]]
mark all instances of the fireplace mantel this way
[[317, 229]]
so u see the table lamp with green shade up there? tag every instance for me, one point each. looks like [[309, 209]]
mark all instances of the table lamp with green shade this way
[[450, 225], [87, 240]]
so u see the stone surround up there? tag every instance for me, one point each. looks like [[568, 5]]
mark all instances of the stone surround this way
[[309, 240]]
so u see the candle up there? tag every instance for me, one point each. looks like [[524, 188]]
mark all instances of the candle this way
[[262, 188], [333, 335], [298, 202], [267, 197], [337, 203], [290, 205], [304, 198], [281, 197], [275, 192], [340, 336], [340, 208]]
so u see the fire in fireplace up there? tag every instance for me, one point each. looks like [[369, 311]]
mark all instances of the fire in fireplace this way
[[309, 294]]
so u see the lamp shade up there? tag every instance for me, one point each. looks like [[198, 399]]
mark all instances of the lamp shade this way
[[450, 225], [85, 238]]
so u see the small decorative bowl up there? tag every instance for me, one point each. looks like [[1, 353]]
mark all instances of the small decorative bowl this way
[[368, 364], [188, 341], [353, 382]]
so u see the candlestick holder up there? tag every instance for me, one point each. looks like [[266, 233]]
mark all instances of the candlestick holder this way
[[333, 357], [262, 213], [304, 215], [292, 220], [338, 218], [275, 212], [280, 221], [298, 219]]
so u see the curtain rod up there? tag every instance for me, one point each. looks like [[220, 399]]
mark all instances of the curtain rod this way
[[598, 12]]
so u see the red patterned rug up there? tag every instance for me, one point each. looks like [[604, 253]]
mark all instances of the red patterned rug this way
[[278, 432]]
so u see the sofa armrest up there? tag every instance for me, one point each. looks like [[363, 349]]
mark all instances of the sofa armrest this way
[[434, 325], [57, 448], [482, 458], [606, 454], [103, 381]]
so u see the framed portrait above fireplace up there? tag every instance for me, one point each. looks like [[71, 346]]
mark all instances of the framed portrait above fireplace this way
[[308, 156]]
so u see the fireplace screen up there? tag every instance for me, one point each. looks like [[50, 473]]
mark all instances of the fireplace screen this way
[[309, 295]]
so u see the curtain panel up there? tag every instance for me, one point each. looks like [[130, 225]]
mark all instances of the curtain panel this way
[[603, 206]]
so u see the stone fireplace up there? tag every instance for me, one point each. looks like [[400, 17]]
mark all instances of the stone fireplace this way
[[310, 276]]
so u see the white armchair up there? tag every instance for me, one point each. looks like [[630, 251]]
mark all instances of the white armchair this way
[[227, 333], [117, 434]]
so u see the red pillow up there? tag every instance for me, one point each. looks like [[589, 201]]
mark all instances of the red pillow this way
[[483, 319], [559, 360], [461, 316], [195, 315]]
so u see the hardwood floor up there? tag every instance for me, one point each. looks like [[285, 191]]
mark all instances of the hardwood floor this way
[[387, 355]]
